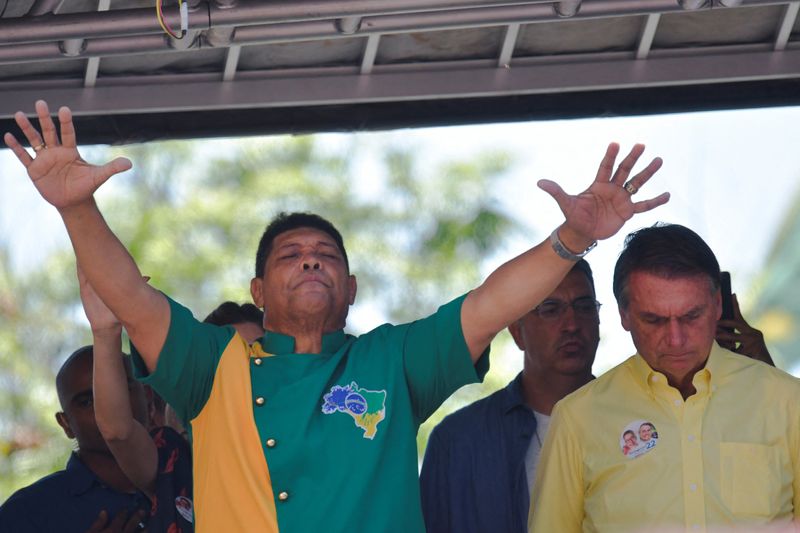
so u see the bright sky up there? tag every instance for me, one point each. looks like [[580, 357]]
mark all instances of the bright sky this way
[[732, 176]]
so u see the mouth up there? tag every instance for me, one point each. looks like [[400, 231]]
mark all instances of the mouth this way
[[571, 346], [312, 280], [676, 357]]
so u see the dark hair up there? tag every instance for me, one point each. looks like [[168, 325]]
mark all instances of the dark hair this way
[[584, 267], [83, 351], [288, 221], [665, 250], [628, 431], [228, 313]]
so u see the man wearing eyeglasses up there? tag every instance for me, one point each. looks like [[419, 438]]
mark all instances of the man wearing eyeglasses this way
[[481, 460]]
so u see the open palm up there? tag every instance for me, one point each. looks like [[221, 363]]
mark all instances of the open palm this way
[[57, 170], [601, 210]]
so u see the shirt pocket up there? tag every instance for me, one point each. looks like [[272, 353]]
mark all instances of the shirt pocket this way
[[750, 478]]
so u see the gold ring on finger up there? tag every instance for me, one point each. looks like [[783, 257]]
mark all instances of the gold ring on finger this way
[[39, 147], [631, 188]]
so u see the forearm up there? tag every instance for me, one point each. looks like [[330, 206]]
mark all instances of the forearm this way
[[112, 404], [115, 277], [128, 440], [514, 289]]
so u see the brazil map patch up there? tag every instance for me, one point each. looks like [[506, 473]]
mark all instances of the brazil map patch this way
[[367, 407]]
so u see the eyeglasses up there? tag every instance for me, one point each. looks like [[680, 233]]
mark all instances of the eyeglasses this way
[[555, 309]]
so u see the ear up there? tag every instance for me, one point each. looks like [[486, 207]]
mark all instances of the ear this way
[[718, 303], [352, 288], [516, 334], [625, 316], [255, 292], [61, 418]]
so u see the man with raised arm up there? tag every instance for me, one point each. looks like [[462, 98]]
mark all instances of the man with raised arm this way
[[158, 462], [310, 429]]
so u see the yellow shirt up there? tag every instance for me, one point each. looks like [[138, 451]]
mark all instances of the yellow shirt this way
[[728, 455]]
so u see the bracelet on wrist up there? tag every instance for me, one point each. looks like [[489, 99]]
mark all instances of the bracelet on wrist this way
[[564, 252]]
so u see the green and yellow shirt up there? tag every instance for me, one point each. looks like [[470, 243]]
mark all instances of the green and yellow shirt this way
[[309, 442]]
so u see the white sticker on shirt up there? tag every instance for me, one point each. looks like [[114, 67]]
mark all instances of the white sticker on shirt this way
[[184, 507], [638, 437]]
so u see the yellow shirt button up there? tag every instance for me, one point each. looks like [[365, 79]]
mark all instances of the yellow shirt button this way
[[271, 443], [283, 496], [260, 401], [257, 361]]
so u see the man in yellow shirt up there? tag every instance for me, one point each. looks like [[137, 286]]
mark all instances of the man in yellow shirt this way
[[724, 446]]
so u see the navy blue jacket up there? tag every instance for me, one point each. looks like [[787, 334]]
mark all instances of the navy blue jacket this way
[[67, 501], [473, 476]]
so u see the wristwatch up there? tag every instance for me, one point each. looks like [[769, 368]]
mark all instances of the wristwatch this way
[[564, 252]]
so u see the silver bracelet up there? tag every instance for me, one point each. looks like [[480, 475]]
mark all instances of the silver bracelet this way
[[564, 252]]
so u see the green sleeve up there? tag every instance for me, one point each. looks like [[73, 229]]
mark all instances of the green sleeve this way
[[437, 361], [187, 363]]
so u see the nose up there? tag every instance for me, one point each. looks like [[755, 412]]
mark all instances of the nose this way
[[310, 262], [569, 320], [675, 333]]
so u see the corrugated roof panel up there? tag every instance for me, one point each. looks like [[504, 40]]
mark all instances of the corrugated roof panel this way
[[745, 25], [447, 45], [326, 53], [579, 36]]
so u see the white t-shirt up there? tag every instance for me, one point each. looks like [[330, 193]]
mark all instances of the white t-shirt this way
[[535, 447]]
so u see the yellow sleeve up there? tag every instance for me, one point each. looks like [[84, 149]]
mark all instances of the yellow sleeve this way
[[794, 449], [557, 499]]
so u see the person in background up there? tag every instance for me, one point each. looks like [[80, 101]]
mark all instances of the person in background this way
[[481, 461], [158, 462], [93, 494]]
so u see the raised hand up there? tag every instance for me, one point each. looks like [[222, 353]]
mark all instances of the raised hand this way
[[57, 170], [601, 210], [738, 336]]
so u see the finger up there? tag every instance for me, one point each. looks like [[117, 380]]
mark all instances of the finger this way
[[624, 168], [18, 150], [737, 313], [99, 522], [728, 323], [725, 335], [554, 189], [67, 127], [642, 177], [133, 522], [119, 521], [31, 133], [46, 123], [102, 173], [652, 203], [607, 164]]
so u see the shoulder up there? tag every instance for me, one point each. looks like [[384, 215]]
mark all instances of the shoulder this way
[[471, 418], [740, 368], [609, 384], [45, 489]]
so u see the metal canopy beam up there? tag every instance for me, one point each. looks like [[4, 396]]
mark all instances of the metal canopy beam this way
[[397, 83], [292, 59]]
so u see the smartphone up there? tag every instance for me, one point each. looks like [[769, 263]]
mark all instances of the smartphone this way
[[725, 293]]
